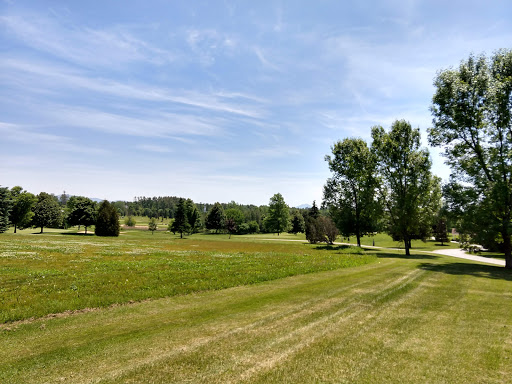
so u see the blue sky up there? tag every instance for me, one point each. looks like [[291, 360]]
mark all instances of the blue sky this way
[[217, 100]]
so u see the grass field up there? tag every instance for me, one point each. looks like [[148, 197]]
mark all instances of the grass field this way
[[390, 319]]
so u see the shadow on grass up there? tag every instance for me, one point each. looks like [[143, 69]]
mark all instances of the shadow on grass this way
[[77, 234], [478, 270], [414, 256], [333, 247]]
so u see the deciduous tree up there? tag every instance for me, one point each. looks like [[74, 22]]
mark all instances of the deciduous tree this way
[[408, 190], [278, 217], [152, 226], [215, 218], [83, 212], [5, 208], [21, 213], [472, 121], [350, 192], [47, 211]]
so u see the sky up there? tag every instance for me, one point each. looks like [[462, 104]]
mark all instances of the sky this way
[[218, 100]]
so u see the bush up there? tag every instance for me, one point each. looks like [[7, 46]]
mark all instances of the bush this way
[[130, 221]]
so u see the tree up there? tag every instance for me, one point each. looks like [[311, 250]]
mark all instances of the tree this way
[[472, 121], [152, 225], [107, 220], [297, 224], [350, 192], [441, 231], [193, 216], [215, 218], [180, 223], [5, 208], [278, 216], [130, 221], [47, 211], [408, 190], [314, 212], [83, 212], [21, 213]]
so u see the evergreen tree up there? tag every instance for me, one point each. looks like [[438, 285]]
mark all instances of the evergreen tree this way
[[314, 212], [5, 208], [298, 225], [193, 216], [180, 223], [47, 212], [107, 220], [215, 218]]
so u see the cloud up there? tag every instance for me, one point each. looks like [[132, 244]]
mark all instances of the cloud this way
[[15, 133], [154, 148], [80, 45]]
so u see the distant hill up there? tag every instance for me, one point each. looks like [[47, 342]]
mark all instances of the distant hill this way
[[304, 206]]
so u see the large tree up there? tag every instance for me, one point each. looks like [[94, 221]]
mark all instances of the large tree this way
[[47, 211], [82, 213], [350, 192], [21, 213], [107, 220], [278, 217], [410, 193], [472, 121], [193, 216], [215, 218], [5, 208]]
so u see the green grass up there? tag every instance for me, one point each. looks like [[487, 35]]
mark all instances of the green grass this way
[[420, 319], [54, 272]]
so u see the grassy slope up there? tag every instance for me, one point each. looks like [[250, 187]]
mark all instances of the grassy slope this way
[[419, 319]]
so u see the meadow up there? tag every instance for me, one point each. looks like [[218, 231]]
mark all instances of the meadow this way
[[252, 311]]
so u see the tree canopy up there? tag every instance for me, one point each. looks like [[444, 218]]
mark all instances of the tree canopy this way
[[215, 218], [278, 218], [83, 212], [410, 193], [5, 208], [472, 121], [23, 202], [180, 223], [350, 192], [47, 211], [107, 220]]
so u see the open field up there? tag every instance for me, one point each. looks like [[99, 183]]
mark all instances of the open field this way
[[51, 273], [419, 319]]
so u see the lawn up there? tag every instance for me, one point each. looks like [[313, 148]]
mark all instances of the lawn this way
[[55, 272], [417, 319]]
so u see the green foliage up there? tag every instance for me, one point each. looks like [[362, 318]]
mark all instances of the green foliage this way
[[193, 216], [23, 202], [321, 229], [441, 230], [234, 219], [350, 192], [297, 223], [130, 221], [314, 212], [180, 223], [5, 208], [83, 212], [107, 220], [472, 109], [410, 193], [152, 226], [47, 212], [278, 218], [215, 218]]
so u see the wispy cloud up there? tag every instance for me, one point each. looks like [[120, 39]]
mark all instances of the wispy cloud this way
[[154, 148], [80, 45]]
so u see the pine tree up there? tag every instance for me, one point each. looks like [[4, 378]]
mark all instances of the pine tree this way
[[180, 223], [215, 218]]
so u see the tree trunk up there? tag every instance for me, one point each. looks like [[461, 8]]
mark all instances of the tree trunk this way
[[508, 251], [181, 235], [41, 229], [86, 230], [407, 245], [358, 240], [14, 228]]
